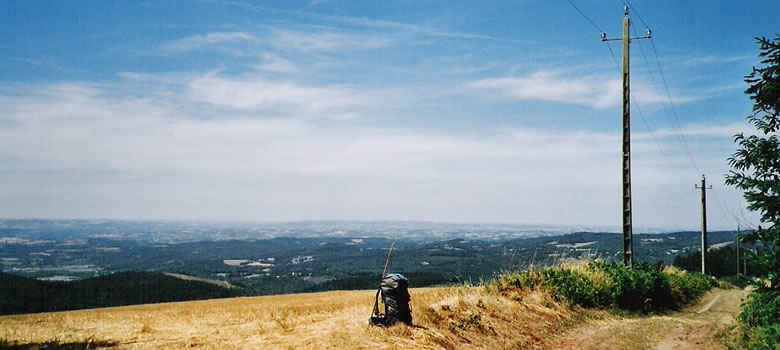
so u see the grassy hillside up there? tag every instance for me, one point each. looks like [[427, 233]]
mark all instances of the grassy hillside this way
[[24, 295], [445, 318], [498, 315]]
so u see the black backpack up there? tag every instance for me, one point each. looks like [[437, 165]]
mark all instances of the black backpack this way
[[394, 290]]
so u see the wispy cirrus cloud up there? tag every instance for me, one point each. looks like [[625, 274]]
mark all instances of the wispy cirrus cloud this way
[[258, 93], [265, 93], [275, 64], [198, 42], [404, 28], [325, 41]]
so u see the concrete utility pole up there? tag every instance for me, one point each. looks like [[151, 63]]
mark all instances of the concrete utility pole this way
[[703, 222], [628, 245]]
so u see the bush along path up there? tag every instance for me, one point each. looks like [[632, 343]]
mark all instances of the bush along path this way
[[597, 284]]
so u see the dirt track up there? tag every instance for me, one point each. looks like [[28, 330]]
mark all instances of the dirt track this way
[[693, 328]]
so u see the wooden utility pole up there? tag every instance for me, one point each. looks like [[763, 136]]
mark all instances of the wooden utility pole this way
[[628, 245], [737, 250], [704, 189]]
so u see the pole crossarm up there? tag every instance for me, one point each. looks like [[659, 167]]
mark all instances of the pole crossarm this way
[[621, 39]]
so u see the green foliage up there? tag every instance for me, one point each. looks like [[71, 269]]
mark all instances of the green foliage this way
[[600, 284], [567, 284], [761, 319], [720, 262], [756, 171], [756, 163], [688, 286], [761, 309]]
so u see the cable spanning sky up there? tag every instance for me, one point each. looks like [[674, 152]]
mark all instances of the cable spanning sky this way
[[456, 111]]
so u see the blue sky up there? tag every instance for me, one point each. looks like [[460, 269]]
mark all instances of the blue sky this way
[[457, 111]]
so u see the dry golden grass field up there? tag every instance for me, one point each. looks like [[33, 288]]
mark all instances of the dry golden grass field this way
[[444, 318]]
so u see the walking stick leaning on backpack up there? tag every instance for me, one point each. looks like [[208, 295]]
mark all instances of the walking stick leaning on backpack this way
[[395, 295], [375, 310]]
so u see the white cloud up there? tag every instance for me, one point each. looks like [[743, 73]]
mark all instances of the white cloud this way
[[84, 151], [598, 91], [722, 131], [313, 3], [198, 42], [257, 93], [275, 64], [405, 27], [326, 41], [592, 91], [111, 149]]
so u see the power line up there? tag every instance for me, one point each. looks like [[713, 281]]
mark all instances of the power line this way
[[671, 104], [676, 124], [676, 128], [666, 158], [644, 120], [585, 16], [725, 212], [658, 90], [639, 110], [613, 56]]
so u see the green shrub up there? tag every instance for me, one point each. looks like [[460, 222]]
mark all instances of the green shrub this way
[[761, 319], [609, 285], [688, 286], [572, 286]]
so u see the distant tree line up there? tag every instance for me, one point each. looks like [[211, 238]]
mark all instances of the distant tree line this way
[[720, 262], [24, 295]]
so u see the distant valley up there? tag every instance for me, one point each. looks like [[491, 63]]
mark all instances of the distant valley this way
[[264, 259]]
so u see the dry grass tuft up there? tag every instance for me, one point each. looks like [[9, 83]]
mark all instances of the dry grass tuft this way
[[598, 277], [673, 270], [445, 318]]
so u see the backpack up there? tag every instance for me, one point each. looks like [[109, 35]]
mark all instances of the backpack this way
[[394, 291]]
